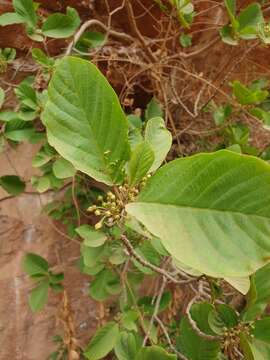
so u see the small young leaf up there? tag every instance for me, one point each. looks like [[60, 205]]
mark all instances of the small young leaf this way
[[26, 10], [41, 58], [2, 97], [100, 287], [90, 40], [34, 264], [12, 184], [42, 183], [222, 113], [159, 139], [7, 115], [185, 40], [249, 20], [103, 342], [128, 320], [153, 110], [91, 255], [59, 25], [10, 18], [92, 237], [246, 96], [222, 317], [63, 169], [39, 296], [127, 346], [154, 353], [140, 163]]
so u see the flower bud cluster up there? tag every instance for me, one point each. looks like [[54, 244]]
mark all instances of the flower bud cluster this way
[[231, 339], [111, 207]]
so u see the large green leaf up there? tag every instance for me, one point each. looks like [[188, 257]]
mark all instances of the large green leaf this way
[[85, 122], [159, 139], [211, 212], [259, 293], [103, 342]]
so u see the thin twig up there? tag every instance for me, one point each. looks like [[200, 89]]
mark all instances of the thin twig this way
[[194, 324], [132, 252], [165, 332]]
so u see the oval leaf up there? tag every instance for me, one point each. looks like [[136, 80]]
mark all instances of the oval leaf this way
[[63, 169], [60, 25], [12, 184], [141, 160], [211, 212], [103, 342], [85, 122], [39, 296], [159, 139]]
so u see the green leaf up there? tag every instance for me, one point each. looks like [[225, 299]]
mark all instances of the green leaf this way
[[91, 255], [159, 139], [228, 36], [221, 318], [26, 10], [195, 347], [60, 26], [185, 40], [246, 96], [215, 202], [249, 20], [128, 320], [231, 7], [42, 183], [39, 296], [12, 184], [242, 284], [34, 264], [102, 287], [85, 122], [10, 18], [2, 97], [127, 346], [155, 353], [147, 252], [259, 293], [90, 40], [222, 113], [261, 330], [103, 342], [7, 115], [92, 237], [63, 169], [141, 160], [26, 94], [257, 347], [153, 109], [41, 58]]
